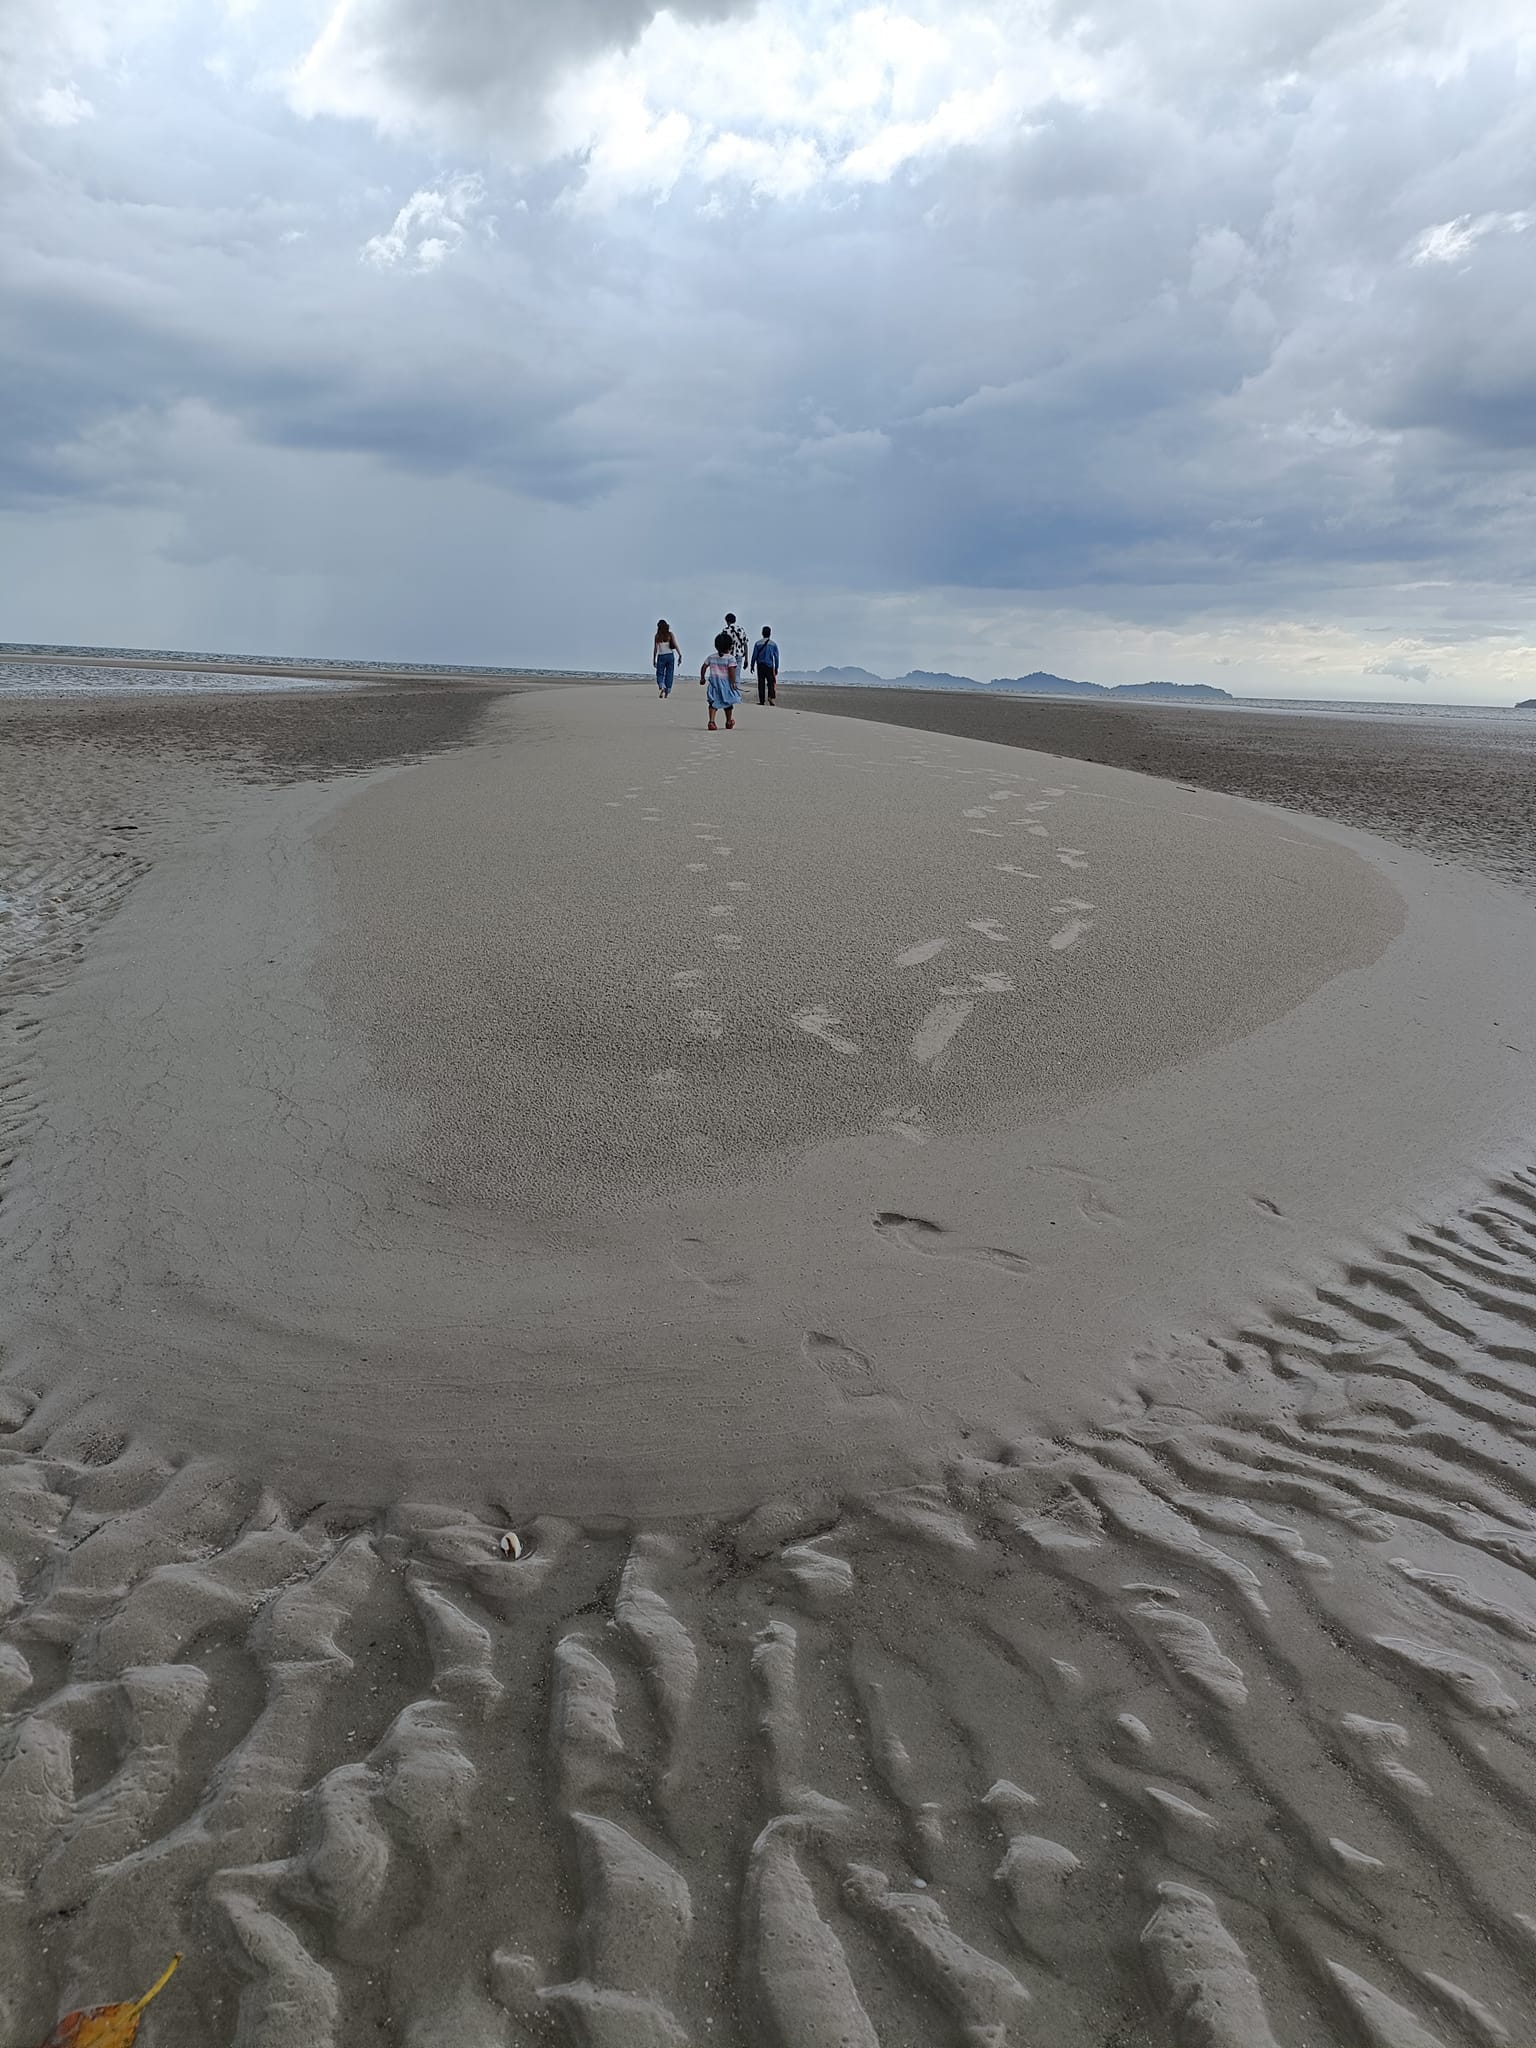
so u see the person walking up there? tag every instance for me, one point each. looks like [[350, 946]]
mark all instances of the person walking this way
[[765, 666], [665, 656], [738, 644], [721, 675]]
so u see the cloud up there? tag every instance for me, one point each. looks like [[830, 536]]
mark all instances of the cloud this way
[[61, 106], [429, 64], [1404, 671], [430, 226], [46, 45], [970, 334], [1453, 239]]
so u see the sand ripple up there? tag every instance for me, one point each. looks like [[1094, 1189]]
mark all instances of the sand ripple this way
[[1208, 1725]]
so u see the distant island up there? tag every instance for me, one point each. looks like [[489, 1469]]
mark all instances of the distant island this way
[[1039, 684], [1526, 704]]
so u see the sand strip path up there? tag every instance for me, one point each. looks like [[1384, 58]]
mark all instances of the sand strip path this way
[[642, 1120]]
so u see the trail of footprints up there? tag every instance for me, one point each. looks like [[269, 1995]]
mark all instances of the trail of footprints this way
[[943, 1021], [956, 1004], [1209, 1725]]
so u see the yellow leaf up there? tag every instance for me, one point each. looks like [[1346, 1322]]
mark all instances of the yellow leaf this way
[[108, 2026]]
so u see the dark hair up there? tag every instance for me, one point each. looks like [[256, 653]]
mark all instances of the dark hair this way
[[730, 618], [722, 643], [767, 632], [662, 627]]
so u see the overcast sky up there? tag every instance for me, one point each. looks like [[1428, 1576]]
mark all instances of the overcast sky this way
[[1144, 338]]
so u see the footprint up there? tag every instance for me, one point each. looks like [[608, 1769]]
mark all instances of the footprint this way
[[989, 929], [1040, 831], [1072, 856], [931, 1040], [917, 1234], [820, 1023], [1071, 932], [907, 1122], [977, 811], [722, 1282], [698, 867], [1093, 1205], [851, 1373], [720, 910], [690, 977], [914, 956], [1006, 867]]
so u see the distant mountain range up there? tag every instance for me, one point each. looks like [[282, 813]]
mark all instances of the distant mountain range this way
[[1037, 685]]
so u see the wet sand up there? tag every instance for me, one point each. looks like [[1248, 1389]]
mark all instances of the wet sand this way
[[1021, 1421]]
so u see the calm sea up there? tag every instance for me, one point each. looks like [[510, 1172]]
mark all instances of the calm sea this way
[[35, 671]]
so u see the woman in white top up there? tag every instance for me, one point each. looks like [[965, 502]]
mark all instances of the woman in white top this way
[[665, 655]]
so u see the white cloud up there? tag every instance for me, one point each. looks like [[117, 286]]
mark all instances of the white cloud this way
[[1453, 239], [47, 47], [1403, 670], [430, 226], [61, 106], [773, 99], [456, 65]]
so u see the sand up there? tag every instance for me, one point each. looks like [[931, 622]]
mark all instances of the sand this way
[[1457, 787], [1015, 1379]]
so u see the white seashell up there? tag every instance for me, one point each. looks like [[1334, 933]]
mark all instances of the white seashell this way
[[511, 1545]]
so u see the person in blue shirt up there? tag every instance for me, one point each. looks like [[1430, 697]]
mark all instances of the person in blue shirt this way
[[765, 664]]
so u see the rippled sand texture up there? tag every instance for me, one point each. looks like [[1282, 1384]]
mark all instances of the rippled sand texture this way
[[1210, 1726]]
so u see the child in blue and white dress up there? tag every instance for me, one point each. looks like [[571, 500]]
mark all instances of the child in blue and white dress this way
[[720, 675]]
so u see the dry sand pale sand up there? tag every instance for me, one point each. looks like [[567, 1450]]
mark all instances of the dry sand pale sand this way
[[977, 1279]]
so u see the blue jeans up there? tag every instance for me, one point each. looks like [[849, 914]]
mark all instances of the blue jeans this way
[[666, 670]]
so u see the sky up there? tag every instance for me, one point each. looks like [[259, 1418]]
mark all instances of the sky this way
[[1176, 339]]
